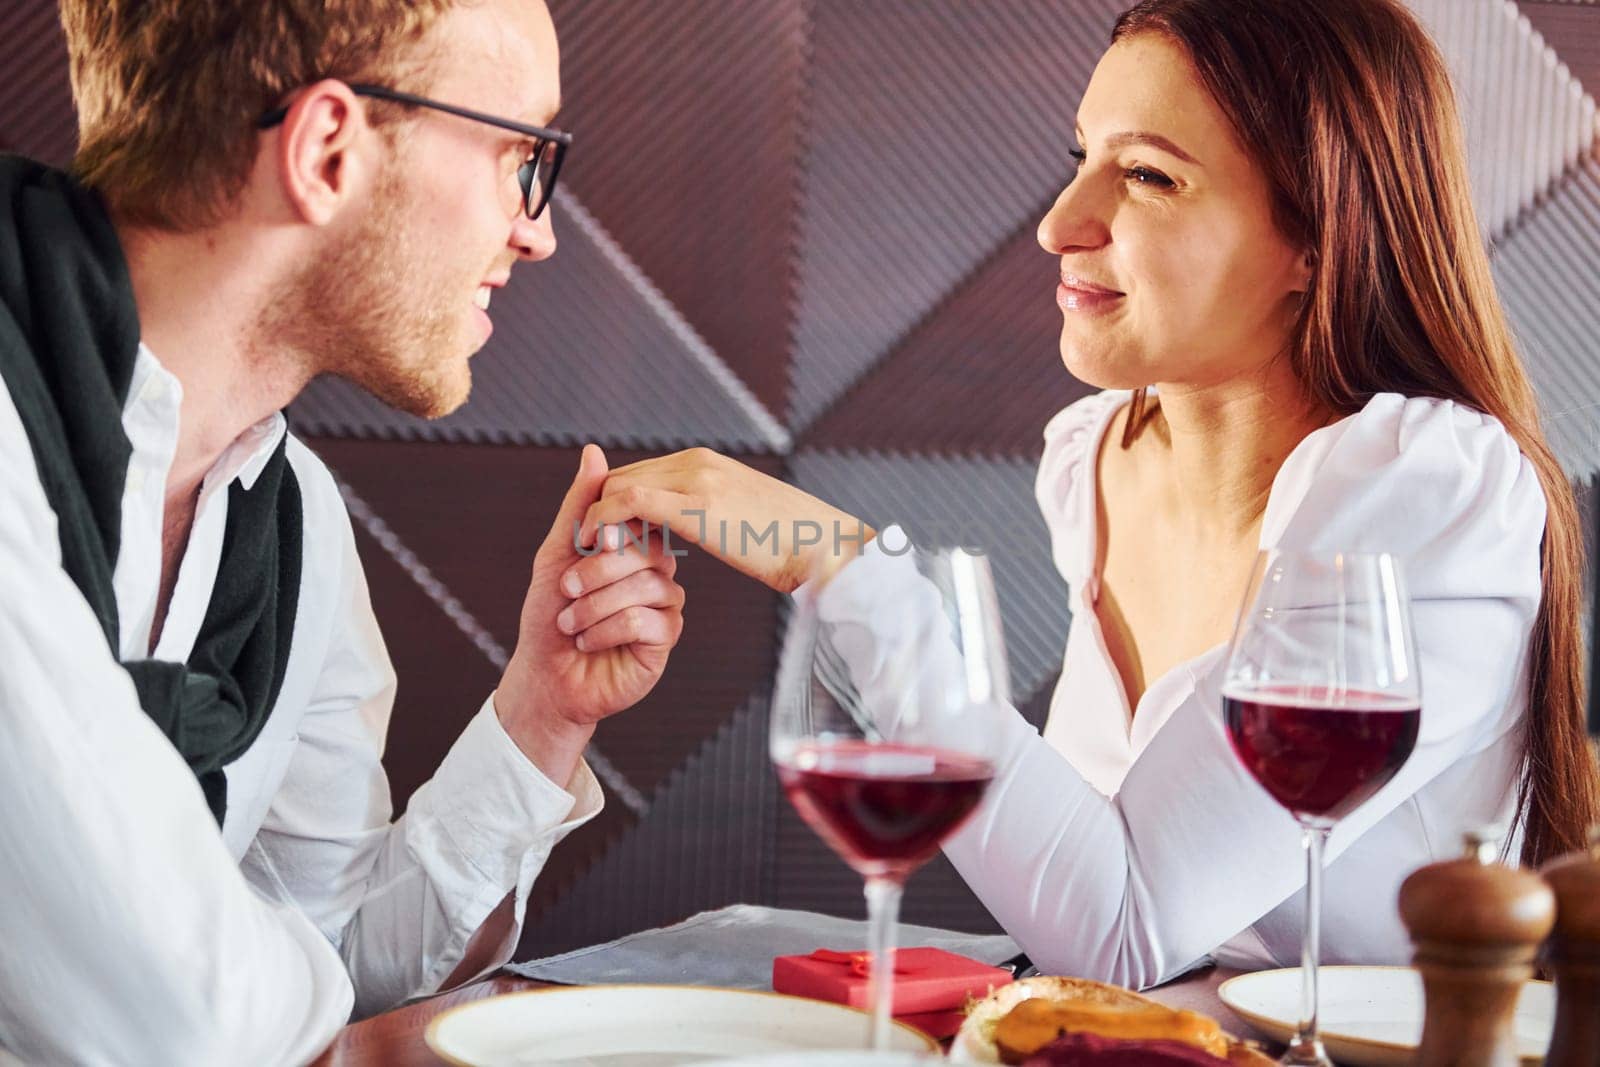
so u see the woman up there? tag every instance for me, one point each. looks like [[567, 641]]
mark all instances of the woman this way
[[1270, 262]]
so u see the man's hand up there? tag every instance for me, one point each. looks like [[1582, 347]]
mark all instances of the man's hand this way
[[753, 522], [594, 637]]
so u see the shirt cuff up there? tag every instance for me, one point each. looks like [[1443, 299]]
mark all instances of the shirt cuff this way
[[491, 807], [891, 542]]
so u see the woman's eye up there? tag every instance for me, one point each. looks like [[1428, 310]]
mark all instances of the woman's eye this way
[[1141, 175], [1078, 156], [1146, 176]]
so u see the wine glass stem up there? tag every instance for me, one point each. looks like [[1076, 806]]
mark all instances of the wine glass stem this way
[[883, 911], [1306, 1048]]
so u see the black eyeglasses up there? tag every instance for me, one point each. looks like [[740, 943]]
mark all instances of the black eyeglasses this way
[[537, 176]]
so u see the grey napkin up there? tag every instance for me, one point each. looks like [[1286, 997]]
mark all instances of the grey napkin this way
[[733, 948]]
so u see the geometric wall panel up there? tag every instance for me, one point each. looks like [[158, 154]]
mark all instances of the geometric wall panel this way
[[978, 503], [585, 348], [703, 844], [1527, 119], [1572, 27], [932, 133], [978, 377], [452, 687], [685, 118], [1548, 274], [36, 114]]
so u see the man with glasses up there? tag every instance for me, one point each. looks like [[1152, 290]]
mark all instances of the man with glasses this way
[[196, 849]]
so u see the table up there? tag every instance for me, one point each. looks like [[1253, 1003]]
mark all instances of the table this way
[[394, 1039]]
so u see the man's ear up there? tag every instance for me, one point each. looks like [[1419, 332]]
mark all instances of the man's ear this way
[[318, 158]]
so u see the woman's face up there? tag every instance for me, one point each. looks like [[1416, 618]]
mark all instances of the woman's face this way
[[1172, 270]]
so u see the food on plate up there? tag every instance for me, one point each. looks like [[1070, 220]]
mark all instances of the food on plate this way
[[1091, 1050], [1048, 1010], [1036, 1022]]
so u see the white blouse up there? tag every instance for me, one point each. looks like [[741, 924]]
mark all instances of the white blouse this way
[[1130, 847]]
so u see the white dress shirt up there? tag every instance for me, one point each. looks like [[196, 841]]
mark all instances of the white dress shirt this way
[[1129, 846], [133, 931]]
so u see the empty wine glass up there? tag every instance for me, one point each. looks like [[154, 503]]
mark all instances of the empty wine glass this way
[[1322, 702], [879, 730]]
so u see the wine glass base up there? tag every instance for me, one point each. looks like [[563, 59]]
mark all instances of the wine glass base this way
[[1306, 1052]]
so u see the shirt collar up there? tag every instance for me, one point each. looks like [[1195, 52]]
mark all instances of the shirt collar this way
[[247, 457], [155, 392]]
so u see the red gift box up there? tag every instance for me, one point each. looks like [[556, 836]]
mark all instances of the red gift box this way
[[925, 979]]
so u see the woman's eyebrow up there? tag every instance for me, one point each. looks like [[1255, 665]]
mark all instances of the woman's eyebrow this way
[[1154, 140]]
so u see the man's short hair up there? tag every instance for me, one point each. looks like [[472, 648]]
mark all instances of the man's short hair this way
[[168, 91]]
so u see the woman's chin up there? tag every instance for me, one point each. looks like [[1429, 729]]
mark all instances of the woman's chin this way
[[1099, 366]]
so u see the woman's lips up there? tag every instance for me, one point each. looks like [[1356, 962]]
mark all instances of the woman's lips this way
[[1075, 294]]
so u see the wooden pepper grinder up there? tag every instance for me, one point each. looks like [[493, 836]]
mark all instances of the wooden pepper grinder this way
[[1476, 925], [1575, 956]]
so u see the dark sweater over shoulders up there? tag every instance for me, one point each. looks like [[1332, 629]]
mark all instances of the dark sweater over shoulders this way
[[69, 340]]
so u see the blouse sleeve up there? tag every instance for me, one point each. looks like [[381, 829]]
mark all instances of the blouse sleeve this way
[[1135, 888], [1071, 440]]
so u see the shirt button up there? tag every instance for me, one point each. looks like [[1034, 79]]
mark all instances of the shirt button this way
[[135, 481]]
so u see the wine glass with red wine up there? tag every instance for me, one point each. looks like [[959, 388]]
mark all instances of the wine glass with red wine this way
[[1322, 702], [890, 671]]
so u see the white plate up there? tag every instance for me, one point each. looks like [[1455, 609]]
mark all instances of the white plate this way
[[646, 1026], [1370, 1015]]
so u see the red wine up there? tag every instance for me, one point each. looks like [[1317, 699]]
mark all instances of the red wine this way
[[1321, 761], [883, 808]]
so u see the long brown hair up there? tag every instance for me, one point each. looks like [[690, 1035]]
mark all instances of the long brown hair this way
[[1348, 108]]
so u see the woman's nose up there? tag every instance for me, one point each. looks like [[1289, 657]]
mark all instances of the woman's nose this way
[[1075, 221]]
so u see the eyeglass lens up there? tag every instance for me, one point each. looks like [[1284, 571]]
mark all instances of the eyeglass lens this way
[[537, 176]]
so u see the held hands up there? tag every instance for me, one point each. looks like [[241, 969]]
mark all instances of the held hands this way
[[594, 636], [598, 623], [751, 521]]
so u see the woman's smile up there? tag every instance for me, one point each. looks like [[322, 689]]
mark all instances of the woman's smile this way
[[1075, 294]]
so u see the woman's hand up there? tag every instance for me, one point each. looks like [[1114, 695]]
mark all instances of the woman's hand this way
[[755, 523]]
